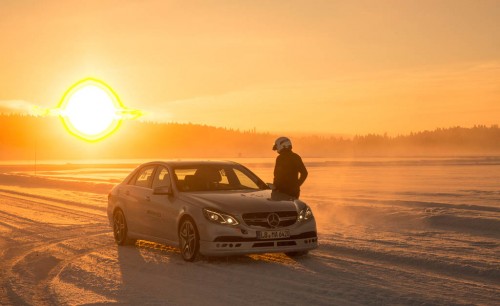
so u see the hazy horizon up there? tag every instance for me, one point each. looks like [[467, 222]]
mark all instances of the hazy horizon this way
[[5, 111], [46, 138]]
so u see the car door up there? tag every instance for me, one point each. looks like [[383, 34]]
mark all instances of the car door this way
[[138, 194], [163, 208]]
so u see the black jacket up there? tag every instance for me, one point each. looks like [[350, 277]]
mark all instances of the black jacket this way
[[286, 173]]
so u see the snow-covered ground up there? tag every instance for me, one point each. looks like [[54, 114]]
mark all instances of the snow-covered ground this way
[[407, 231]]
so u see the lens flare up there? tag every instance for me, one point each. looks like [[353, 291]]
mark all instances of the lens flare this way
[[92, 111]]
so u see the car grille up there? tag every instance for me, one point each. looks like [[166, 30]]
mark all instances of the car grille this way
[[260, 219]]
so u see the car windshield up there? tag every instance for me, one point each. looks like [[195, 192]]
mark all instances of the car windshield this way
[[216, 177]]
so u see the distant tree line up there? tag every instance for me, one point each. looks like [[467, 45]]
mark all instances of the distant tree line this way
[[28, 137]]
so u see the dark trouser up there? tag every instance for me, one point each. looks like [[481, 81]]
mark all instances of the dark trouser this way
[[294, 193]]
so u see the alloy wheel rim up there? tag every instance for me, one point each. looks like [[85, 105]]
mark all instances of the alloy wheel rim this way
[[119, 226], [188, 238]]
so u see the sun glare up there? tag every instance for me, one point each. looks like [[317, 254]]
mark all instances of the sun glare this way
[[91, 110]]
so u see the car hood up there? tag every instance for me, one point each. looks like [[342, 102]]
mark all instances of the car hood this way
[[239, 202]]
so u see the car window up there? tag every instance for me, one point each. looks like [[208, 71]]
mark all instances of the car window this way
[[182, 173], [144, 177], [213, 177], [245, 180], [161, 179], [223, 177]]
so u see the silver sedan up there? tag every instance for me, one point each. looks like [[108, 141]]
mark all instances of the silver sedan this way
[[212, 208]]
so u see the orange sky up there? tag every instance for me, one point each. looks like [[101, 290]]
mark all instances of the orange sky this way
[[349, 67]]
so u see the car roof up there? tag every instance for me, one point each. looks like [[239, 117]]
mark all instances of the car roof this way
[[187, 163]]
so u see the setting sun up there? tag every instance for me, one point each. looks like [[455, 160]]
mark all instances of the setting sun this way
[[91, 110]]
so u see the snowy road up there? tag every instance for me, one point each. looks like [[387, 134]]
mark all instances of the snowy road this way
[[59, 251]]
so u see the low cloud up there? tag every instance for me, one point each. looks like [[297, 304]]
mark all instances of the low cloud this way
[[21, 107]]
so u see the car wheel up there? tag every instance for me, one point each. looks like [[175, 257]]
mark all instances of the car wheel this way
[[188, 240], [297, 254], [120, 230]]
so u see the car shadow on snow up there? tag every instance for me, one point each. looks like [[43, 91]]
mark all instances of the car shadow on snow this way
[[153, 273], [151, 252]]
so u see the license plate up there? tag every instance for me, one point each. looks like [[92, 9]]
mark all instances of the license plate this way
[[273, 234]]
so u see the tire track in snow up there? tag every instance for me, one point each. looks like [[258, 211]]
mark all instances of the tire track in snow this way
[[37, 249]]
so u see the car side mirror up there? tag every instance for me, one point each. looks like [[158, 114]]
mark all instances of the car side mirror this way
[[163, 190]]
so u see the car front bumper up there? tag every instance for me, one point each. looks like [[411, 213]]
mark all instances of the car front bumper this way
[[217, 240], [209, 248]]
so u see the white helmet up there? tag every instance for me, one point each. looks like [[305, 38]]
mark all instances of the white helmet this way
[[282, 143]]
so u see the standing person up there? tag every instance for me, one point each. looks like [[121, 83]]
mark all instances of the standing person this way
[[289, 170]]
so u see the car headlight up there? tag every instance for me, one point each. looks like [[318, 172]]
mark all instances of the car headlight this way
[[305, 214], [220, 218]]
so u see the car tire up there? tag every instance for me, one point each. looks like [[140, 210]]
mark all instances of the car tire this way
[[297, 254], [120, 229], [189, 241]]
